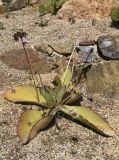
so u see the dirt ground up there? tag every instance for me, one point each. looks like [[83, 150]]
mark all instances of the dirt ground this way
[[72, 141]]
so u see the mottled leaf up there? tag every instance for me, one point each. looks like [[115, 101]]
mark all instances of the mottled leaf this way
[[89, 117], [60, 94], [31, 122], [25, 93]]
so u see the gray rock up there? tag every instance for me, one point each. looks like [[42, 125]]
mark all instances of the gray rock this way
[[87, 53], [108, 47]]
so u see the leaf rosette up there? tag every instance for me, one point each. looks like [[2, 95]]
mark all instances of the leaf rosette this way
[[50, 101]]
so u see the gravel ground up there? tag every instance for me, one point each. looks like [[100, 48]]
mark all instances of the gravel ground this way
[[73, 141]]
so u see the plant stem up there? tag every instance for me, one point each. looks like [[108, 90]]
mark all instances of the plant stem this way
[[31, 70]]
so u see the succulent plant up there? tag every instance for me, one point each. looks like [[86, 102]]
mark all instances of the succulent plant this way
[[50, 101], [59, 98]]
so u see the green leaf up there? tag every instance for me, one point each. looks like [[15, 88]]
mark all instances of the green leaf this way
[[45, 8], [50, 95], [25, 93], [42, 9], [51, 6], [63, 79], [88, 117], [31, 122], [72, 98], [57, 82], [66, 77], [60, 94], [115, 14]]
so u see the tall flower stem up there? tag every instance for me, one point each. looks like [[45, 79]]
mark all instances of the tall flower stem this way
[[31, 70]]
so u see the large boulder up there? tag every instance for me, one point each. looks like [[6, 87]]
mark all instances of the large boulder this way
[[85, 9], [108, 47]]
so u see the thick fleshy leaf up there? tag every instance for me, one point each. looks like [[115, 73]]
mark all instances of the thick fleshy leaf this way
[[60, 94], [25, 93], [40, 125], [72, 98], [63, 79], [57, 82], [66, 77], [50, 96], [30, 122], [88, 117]]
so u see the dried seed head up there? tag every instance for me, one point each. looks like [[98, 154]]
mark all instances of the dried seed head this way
[[19, 35]]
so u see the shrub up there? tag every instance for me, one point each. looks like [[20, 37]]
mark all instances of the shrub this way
[[115, 15], [51, 6]]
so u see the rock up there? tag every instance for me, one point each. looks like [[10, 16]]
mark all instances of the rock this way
[[100, 78], [44, 48], [85, 9], [3, 9], [15, 58], [55, 47], [87, 53], [1, 3], [33, 1], [103, 78], [62, 48], [18, 4], [60, 63], [108, 47]]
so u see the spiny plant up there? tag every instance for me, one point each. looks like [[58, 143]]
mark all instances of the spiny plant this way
[[51, 6], [115, 15], [51, 100]]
